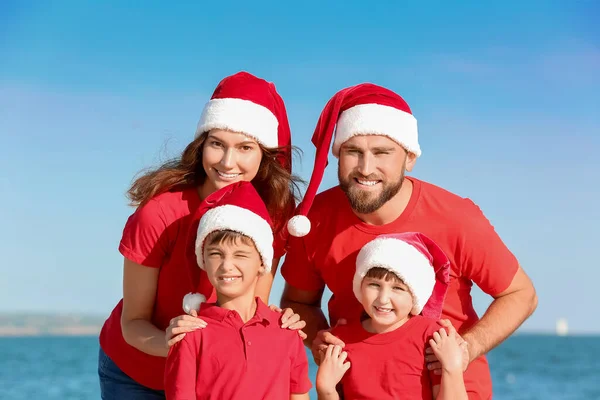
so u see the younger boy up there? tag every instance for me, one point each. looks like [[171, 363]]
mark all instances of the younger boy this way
[[243, 353], [397, 278]]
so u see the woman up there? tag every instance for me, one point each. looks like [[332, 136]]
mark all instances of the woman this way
[[243, 135]]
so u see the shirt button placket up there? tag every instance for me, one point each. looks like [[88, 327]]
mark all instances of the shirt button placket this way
[[248, 343]]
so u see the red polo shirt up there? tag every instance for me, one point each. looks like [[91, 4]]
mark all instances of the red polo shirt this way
[[232, 360], [327, 256], [156, 236]]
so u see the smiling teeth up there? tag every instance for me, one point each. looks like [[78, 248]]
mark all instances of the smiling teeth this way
[[383, 309], [229, 279], [367, 183], [224, 175]]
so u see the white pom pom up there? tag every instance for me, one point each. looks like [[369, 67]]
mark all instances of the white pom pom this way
[[298, 226], [192, 301]]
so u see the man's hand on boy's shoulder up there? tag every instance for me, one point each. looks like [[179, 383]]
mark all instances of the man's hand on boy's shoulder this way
[[290, 320], [322, 341], [432, 361]]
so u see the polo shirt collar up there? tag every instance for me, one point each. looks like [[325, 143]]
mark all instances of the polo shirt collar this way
[[263, 313]]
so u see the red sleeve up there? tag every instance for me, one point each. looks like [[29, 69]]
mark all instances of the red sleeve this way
[[483, 257], [298, 269], [180, 369], [280, 243], [299, 381], [145, 240]]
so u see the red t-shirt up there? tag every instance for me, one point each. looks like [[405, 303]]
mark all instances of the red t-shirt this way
[[327, 256], [388, 365], [155, 236], [232, 360]]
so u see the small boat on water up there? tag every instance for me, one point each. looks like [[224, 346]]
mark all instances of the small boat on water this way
[[562, 327]]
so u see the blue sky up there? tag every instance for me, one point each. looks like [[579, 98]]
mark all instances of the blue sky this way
[[506, 96]]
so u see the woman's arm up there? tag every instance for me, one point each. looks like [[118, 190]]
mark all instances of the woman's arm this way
[[139, 294]]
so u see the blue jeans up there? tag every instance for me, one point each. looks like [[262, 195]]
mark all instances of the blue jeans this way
[[115, 385]]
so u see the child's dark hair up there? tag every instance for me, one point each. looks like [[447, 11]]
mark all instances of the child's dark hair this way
[[228, 237], [385, 274]]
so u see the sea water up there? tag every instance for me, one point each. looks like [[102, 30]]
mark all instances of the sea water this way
[[524, 367]]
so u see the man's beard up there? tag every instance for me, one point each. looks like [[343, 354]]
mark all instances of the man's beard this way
[[364, 202]]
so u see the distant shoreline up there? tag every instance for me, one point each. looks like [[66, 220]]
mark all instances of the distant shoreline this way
[[40, 324], [6, 331]]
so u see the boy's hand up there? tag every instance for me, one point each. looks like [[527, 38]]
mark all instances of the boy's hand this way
[[331, 370], [447, 350], [433, 363], [290, 320], [323, 340], [180, 325]]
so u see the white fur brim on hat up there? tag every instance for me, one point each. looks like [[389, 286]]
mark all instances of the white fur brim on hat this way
[[237, 219], [376, 119], [402, 259], [242, 116]]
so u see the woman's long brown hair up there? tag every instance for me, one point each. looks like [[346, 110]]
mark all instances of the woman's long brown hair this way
[[277, 187]]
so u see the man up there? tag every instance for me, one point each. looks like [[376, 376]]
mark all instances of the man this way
[[376, 142]]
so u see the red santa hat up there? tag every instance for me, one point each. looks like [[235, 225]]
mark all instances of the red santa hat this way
[[364, 109], [414, 258], [246, 104], [239, 208]]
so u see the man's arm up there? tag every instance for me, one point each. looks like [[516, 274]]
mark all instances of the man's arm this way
[[308, 305], [485, 260], [507, 312]]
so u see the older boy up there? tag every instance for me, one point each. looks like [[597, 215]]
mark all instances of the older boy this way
[[243, 353]]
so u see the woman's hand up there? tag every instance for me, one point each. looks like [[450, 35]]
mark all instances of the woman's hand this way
[[290, 320], [179, 326]]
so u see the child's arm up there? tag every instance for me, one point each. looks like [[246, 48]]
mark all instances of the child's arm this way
[[449, 353], [331, 371], [181, 370]]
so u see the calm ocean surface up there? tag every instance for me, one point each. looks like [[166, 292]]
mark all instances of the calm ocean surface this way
[[524, 367]]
